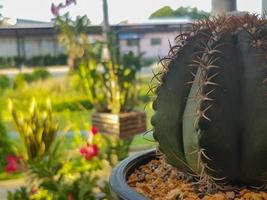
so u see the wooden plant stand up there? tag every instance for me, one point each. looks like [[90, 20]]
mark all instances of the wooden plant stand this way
[[125, 125]]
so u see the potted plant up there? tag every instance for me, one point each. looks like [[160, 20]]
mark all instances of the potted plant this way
[[110, 82], [112, 87], [210, 113]]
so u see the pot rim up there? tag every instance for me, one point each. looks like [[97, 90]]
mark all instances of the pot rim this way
[[122, 171]]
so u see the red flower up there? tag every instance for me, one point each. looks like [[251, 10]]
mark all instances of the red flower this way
[[13, 164], [70, 197], [11, 159], [94, 130], [34, 190], [10, 168], [89, 152], [83, 151]]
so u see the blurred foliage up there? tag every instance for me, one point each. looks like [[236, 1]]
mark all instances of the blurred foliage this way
[[61, 91], [40, 73], [5, 145], [21, 79], [107, 78], [63, 174], [37, 131], [167, 11], [4, 81], [20, 194], [110, 87], [73, 35], [42, 60], [70, 104]]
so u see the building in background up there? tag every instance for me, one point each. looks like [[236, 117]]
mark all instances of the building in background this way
[[264, 7], [27, 38]]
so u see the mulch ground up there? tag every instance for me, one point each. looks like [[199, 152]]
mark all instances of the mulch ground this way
[[158, 180]]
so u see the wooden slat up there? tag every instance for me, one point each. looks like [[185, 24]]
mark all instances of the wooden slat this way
[[126, 134], [133, 126], [106, 120], [125, 125]]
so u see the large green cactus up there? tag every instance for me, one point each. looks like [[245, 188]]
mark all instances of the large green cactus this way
[[211, 106]]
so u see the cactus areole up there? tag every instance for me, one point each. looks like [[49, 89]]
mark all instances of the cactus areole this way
[[211, 102]]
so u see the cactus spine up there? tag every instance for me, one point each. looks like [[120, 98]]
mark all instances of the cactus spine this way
[[211, 106]]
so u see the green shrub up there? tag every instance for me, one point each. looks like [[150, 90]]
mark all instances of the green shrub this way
[[28, 77], [19, 194], [4, 82], [72, 106], [46, 60], [40, 73], [22, 78], [19, 60], [41, 60]]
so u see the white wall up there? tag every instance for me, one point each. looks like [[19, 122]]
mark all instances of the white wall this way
[[35, 46], [149, 50], [8, 47], [153, 51]]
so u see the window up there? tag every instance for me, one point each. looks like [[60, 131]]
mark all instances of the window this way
[[155, 41], [132, 42]]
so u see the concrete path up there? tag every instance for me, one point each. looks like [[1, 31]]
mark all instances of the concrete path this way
[[9, 185]]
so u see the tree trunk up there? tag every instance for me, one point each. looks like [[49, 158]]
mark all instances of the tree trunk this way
[[220, 7]]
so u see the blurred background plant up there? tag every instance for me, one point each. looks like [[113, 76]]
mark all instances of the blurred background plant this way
[[5, 144], [37, 131], [108, 79], [79, 173], [73, 35], [55, 166], [109, 87], [22, 78]]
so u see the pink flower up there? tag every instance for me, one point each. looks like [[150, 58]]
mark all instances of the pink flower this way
[[54, 9], [89, 152], [94, 130]]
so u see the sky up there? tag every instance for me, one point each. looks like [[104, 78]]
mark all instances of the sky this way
[[119, 10]]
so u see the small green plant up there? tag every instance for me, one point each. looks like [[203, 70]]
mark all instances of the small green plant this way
[[19, 194], [37, 131], [40, 74]]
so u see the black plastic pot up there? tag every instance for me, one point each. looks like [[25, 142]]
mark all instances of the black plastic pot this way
[[118, 179]]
